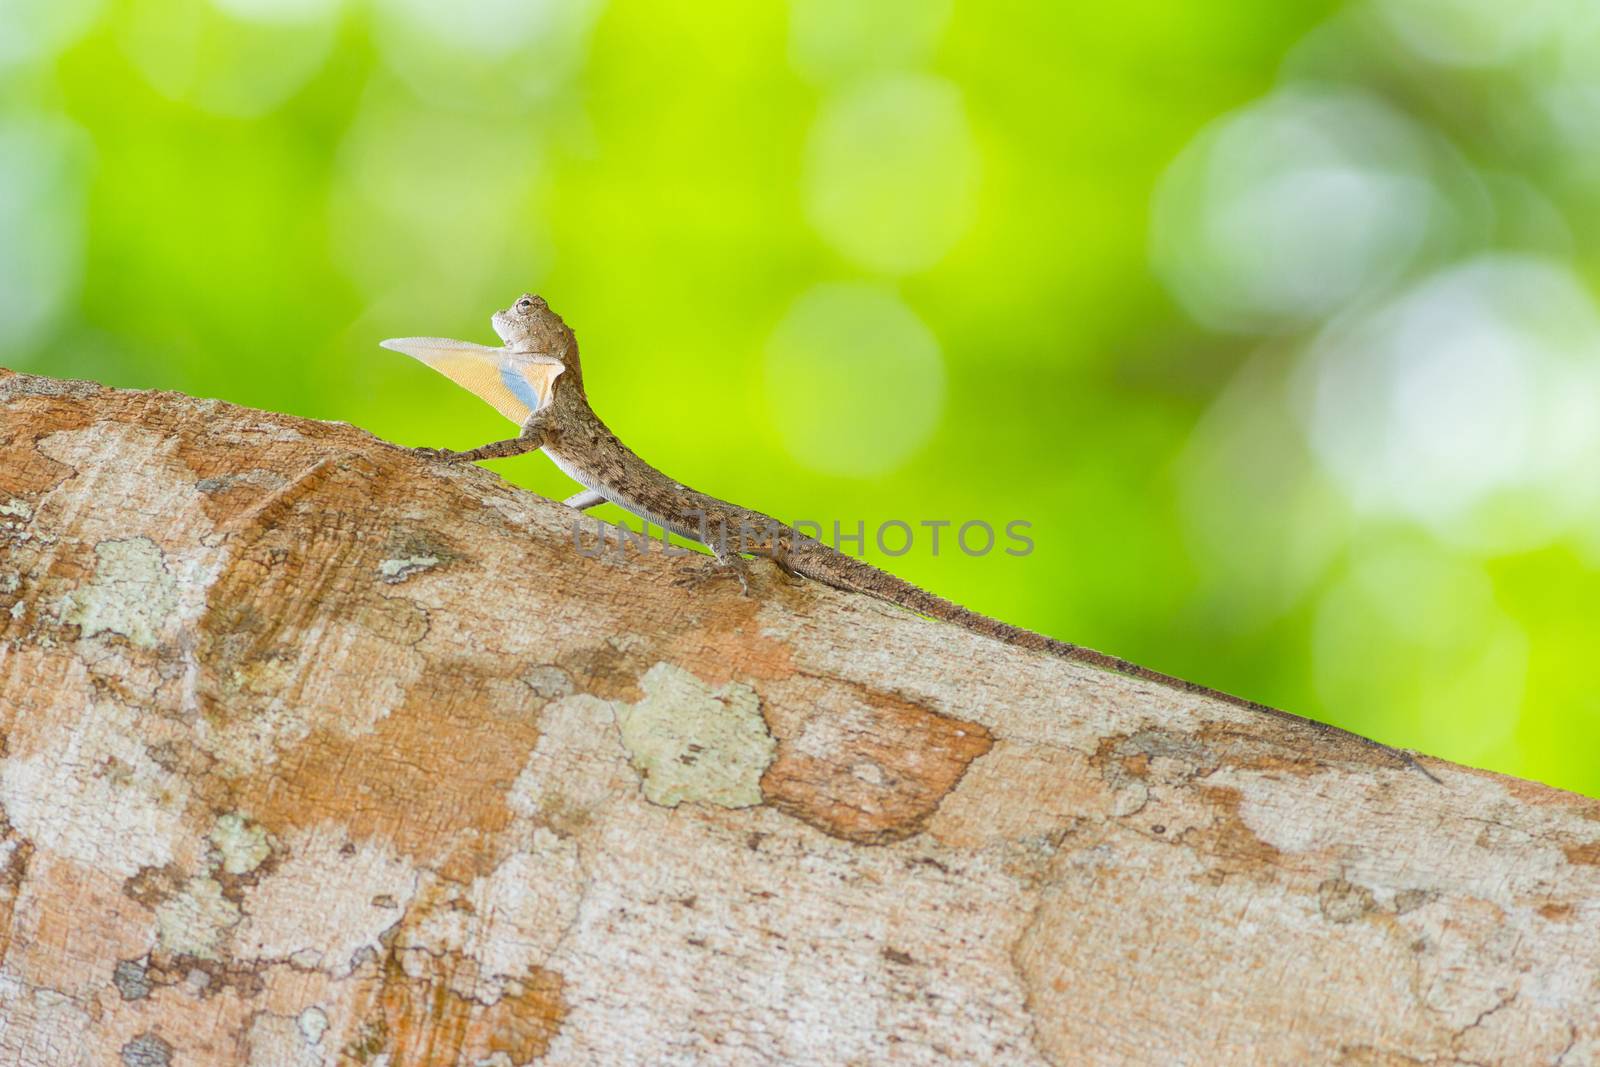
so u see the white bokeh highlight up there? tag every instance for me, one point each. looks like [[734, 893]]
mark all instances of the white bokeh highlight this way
[[290, 11], [1467, 404], [496, 56], [35, 31], [1281, 213], [1567, 93]]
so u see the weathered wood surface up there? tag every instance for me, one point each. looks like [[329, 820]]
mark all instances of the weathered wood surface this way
[[317, 753]]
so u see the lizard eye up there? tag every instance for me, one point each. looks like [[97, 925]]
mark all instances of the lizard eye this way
[[524, 304]]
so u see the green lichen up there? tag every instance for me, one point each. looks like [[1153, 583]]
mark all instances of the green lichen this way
[[130, 593], [690, 742], [194, 922], [241, 845]]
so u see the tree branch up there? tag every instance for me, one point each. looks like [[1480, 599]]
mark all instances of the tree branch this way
[[315, 751]]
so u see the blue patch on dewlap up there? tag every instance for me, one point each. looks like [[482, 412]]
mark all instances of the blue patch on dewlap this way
[[520, 387]]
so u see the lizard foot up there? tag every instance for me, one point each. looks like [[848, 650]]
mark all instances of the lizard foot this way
[[438, 453], [697, 575]]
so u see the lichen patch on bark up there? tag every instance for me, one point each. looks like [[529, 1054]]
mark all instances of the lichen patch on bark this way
[[241, 845], [196, 920], [279, 1041], [397, 569], [130, 594], [330, 900], [15, 512], [690, 742]]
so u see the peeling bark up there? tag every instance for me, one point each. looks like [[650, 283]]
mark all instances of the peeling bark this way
[[313, 752]]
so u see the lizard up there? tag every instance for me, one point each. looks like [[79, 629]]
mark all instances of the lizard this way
[[535, 379]]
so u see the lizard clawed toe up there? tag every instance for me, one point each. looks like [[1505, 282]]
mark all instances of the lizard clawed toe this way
[[699, 574], [437, 453]]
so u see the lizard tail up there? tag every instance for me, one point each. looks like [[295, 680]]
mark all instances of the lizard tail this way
[[823, 564]]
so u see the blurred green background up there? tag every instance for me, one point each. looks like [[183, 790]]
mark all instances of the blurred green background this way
[[1277, 321]]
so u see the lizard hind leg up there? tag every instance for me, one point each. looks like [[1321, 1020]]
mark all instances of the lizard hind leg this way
[[722, 564], [586, 499]]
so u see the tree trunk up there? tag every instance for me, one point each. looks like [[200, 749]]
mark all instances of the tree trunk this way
[[316, 752]]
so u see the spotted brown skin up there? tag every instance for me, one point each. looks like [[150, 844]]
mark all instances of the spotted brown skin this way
[[566, 428]]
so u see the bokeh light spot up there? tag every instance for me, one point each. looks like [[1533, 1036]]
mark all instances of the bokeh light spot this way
[[1567, 91], [1474, 33], [1478, 382], [278, 10], [830, 40], [214, 59], [44, 166], [854, 380], [891, 173], [496, 55], [434, 205], [1287, 210], [1263, 520], [35, 30]]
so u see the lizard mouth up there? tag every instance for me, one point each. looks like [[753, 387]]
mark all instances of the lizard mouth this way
[[503, 325]]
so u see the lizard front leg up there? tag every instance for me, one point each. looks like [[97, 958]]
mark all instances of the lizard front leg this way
[[534, 436]]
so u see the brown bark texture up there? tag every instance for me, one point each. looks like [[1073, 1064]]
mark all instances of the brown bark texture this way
[[317, 752]]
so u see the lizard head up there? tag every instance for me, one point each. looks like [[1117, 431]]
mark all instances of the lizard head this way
[[530, 326]]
